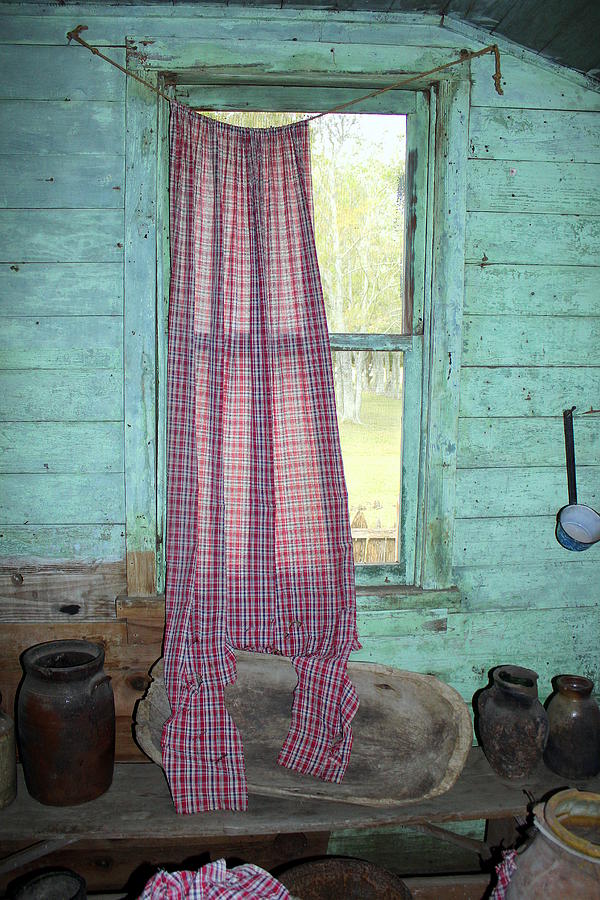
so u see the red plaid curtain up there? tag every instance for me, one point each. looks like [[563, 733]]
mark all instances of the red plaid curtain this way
[[259, 550]]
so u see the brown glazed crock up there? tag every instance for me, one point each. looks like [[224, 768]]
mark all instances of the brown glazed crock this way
[[66, 722]]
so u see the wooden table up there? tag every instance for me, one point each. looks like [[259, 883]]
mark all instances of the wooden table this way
[[138, 809]]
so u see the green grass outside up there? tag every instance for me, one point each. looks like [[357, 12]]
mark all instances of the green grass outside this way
[[371, 453]]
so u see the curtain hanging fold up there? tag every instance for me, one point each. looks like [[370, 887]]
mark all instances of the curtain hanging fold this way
[[259, 550]]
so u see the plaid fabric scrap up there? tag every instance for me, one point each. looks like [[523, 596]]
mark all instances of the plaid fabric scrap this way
[[259, 550], [505, 871], [215, 882]]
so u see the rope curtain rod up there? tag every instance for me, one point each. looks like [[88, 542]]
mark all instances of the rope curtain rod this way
[[465, 56]]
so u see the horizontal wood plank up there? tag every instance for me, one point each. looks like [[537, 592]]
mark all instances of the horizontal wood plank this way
[[72, 235], [530, 86], [246, 59], [525, 441], [112, 636], [490, 391], [532, 290], [61, 289], [61, 499], [517, 491], [526, 239], [59, 447], [505, 542], [55, 342], [537, 187], [528, 583], [58, 73], [522, 134], [296, 25], [62, 542], [524, 341], [62, 127], [474, 642], [48, 181], [59, 592], [30, 395], [290, 99]]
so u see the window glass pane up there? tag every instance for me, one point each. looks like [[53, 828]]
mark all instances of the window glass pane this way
[[358, 178], [368, 389]]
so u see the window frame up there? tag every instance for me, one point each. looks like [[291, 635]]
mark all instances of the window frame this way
[[436, 197]]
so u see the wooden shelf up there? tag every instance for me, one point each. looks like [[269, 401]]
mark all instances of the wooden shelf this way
[[138, 807]]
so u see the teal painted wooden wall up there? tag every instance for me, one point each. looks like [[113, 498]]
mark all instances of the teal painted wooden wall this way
[[530, 333]]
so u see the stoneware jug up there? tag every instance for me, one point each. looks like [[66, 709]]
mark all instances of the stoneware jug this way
[[512, 723], [573, 748], [562, 862], [66, 722]]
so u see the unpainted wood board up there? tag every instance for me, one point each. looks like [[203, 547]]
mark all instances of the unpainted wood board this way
[[141, 571], [523, 390], [525, 441], [501, 541], [61, 499], [61, 289], [73, 235], [18, 636], [536, 187], [58, 592], [532, 238], [61, 342], [61, 448], [138, 805], [84, 395], [251, 58], [448, 887], [531, 134], [524, 341], [527, 583], [63, 542], [62, 127], [532, 290], [58, 73], [529, 86], [48, 181], [518, 491]]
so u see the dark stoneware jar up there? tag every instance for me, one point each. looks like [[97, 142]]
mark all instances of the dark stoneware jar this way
[[66, 722], [513, 725], [573, 749]]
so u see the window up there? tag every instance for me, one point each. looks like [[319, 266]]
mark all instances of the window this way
[[407, 352], [363, 243]]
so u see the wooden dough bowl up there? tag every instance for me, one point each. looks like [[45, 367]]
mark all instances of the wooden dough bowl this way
[[412, 733]]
